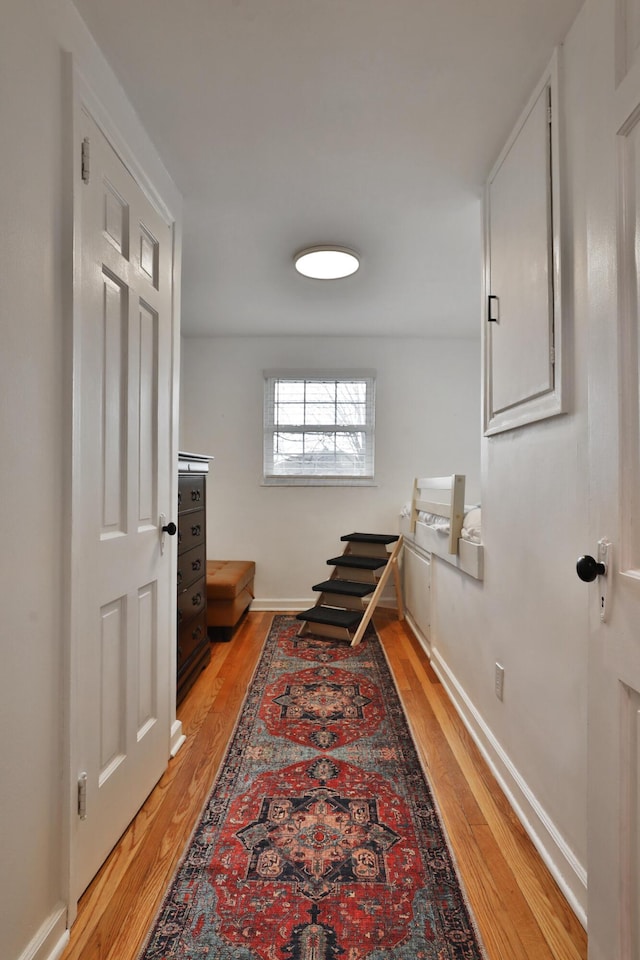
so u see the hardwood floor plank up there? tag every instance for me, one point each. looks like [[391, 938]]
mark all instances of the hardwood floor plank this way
[[520, 911], [560, 928]]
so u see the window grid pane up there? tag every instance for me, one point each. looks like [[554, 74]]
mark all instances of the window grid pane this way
[[319, 428]]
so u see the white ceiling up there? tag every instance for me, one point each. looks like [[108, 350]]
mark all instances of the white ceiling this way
[[367, 123]]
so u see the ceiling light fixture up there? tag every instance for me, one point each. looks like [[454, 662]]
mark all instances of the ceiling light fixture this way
[[326, 263]]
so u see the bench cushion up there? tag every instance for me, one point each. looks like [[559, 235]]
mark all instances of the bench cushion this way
[[228, 578]]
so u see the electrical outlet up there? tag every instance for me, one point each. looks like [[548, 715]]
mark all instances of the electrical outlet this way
[[499, 681]]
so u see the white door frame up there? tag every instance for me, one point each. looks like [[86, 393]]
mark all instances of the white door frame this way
[[139, 156], [614, 654]]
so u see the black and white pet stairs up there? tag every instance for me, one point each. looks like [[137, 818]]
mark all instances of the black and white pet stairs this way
[[348, 598]]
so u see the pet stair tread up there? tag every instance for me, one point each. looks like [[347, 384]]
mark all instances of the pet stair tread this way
[[347, 588], [358, 562], [371, 537], [331, 615]]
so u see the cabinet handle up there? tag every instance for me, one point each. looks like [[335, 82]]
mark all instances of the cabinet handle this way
[[179, 577], [196, 599], [195, 494], [196, 564], [195, 530], [197, 633]]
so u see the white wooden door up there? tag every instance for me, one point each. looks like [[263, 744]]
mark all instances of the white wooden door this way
[[122, 596], [613, 232]]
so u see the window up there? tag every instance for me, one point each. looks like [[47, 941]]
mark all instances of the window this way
[[319, 427]]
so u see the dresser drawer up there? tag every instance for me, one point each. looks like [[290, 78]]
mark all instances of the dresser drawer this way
[[191, 635], [191, 530], [192, 601], [191, 566], [190, 493]]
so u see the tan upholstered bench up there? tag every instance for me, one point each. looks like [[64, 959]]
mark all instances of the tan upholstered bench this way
[[229, 595]]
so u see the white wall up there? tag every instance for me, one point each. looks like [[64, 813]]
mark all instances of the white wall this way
[[31, 476], [427, 419], [35, 419], [530, 614]]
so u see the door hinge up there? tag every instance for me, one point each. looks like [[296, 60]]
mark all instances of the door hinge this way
[[85, 158], [82, 796], [552, 356]]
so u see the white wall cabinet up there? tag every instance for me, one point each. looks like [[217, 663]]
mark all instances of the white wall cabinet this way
[[522, 342], [416, 580]]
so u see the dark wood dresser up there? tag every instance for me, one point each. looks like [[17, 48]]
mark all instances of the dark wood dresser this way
[[194, 651]]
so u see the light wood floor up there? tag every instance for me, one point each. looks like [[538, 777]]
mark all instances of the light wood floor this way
[[519, 909]]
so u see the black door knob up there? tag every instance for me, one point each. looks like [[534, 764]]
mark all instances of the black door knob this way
[[588, 569], [170, 528]]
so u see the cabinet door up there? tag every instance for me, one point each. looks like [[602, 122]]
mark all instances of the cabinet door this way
[[522, 329], [416, 575]]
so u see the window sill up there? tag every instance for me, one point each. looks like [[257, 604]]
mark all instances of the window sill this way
[[318, 482]]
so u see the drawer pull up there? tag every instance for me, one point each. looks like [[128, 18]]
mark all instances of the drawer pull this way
[[197, 633], [195, 530], [196, 599], [179, 577], [195, 494], [196, 564]]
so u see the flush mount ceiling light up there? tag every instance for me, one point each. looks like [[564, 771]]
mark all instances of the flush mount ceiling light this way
[[326, 263]]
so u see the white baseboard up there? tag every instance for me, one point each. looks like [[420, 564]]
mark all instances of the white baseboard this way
[[420, 636], [566, 869], [292, 605], [288, 605], [51, 939], [177, 737]]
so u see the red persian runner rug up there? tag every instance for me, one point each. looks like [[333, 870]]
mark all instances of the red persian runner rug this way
[[320, 839]]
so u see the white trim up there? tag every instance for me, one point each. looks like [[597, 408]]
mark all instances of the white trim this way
[[353, 474], [288, 605], [310, 481], [178, 738], [566, 869], [51, 939], [294, 605], [420, 636]]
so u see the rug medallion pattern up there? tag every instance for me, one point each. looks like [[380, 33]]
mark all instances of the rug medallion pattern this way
[[320, 840]]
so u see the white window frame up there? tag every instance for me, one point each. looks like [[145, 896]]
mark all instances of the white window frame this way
[[270, 477]]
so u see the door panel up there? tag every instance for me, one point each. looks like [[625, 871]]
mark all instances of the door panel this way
[[113, 672], [114, 378], [148, 399], [519, 201], [613, 240], [124, 604]]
